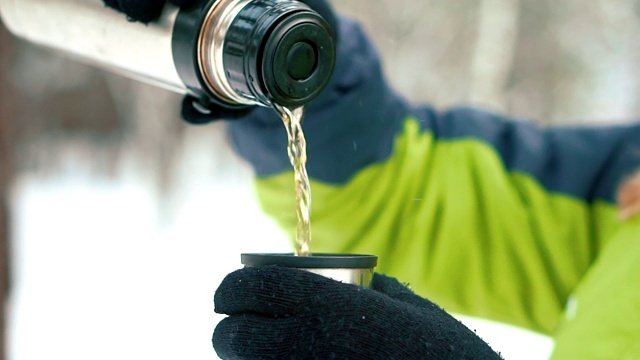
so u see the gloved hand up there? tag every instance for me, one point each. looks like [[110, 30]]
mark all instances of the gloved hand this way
[[146, 11], [284, 313], [143, 11]]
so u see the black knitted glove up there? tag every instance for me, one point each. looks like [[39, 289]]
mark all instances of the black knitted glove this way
[[143, 11], [146, 11], [284, 313]]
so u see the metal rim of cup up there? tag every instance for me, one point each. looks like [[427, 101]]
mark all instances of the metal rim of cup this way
[[316, 260]]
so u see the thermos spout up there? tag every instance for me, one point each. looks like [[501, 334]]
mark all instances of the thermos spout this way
[[234, 53]]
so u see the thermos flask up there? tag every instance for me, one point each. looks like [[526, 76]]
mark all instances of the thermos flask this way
[[234, 53]]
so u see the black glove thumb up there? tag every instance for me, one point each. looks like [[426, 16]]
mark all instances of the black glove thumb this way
[[393, 288], [194, 112], [143, 11]]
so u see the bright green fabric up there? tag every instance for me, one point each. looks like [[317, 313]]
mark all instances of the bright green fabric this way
[[602, 320], [448, 218]]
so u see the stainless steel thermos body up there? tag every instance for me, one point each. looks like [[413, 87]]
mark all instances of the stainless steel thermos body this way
[[235, 53]]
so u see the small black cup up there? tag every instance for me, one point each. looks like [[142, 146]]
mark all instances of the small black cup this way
[[347, 268]]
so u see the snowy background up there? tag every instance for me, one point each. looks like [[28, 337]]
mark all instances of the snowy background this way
[[124, 220]]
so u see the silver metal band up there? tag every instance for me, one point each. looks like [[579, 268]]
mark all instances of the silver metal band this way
[[210, 50]]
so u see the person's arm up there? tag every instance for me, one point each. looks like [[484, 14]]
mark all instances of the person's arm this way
[[485, 215]]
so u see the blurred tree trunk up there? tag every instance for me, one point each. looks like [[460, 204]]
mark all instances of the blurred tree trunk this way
[[493, 53], [535, 69], [5, 177]]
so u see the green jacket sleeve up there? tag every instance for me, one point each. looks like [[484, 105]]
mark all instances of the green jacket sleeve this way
[[484, 215]]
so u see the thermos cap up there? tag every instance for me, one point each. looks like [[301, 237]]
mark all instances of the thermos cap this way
[[279, 51], [298, 59]]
